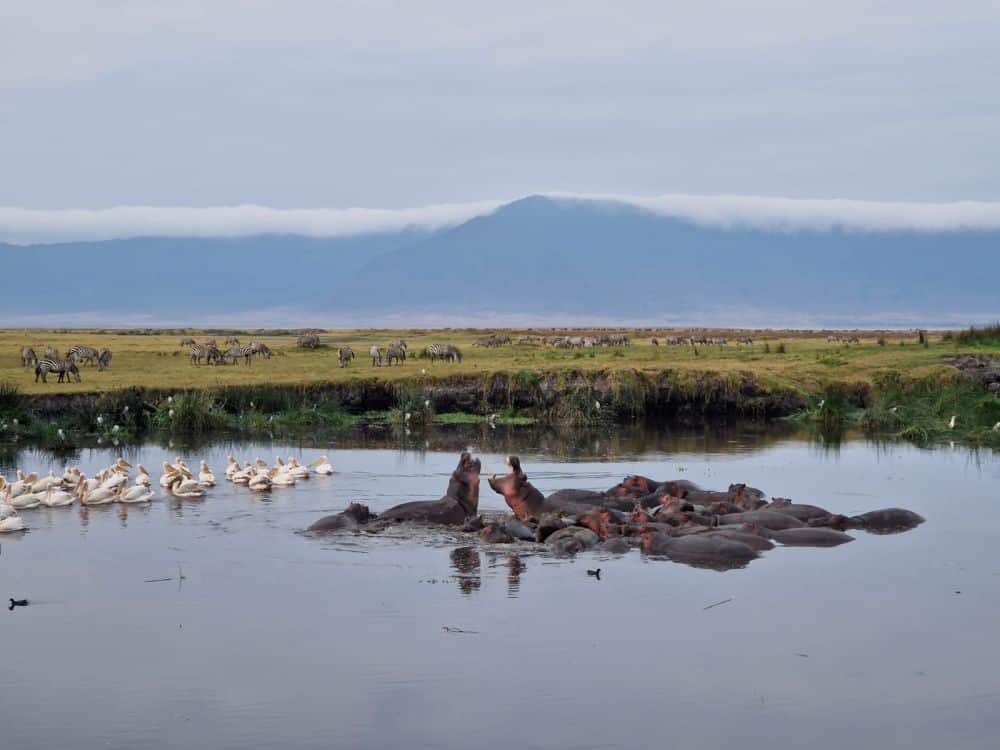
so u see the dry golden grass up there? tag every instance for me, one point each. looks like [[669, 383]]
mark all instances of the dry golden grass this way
[[158, 361]]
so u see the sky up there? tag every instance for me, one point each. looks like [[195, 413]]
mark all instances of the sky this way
[[391, 105]]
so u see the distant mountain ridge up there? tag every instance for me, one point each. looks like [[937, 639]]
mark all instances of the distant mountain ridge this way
[[536, 259]]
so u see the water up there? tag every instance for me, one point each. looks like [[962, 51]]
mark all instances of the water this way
[[274, 637]]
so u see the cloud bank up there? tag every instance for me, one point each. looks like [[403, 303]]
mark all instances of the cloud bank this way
[[24, 225]]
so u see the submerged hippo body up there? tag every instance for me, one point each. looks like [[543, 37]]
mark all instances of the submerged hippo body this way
[[572, 539], [765, 518], [699, 550], [461, 501], [884, 521], [805, 536], [355, 515], [756, 542], [800, 511]]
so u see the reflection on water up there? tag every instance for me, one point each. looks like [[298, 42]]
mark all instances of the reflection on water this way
[[275, 637]]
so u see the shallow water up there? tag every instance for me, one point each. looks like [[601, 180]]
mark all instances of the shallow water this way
[[272, 636]]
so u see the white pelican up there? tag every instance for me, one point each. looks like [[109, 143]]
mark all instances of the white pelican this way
[[205, 476], [142, 477], [45, 482], [322, 466], [26, 501], [280, 478], [232, 466], [23, 484], [169, 475], [135, 494], [54, 498], [11, 523], [98, 496], [260, 482], [296, 469], [115, 480], [182, 487]]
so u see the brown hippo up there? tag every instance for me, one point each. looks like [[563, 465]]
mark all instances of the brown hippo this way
[[884, 521], [355, 515], [572, 539], [495, 533], [801, 511], [461, 501], [639, 486], [528, 503], [699, 550], [766, 518], [801, 537]]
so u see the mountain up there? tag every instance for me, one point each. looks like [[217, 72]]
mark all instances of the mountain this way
[[537, 259], [559, 258]]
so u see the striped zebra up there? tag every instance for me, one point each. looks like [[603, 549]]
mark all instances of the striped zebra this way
[[28, 356], [344, 355], [395, 352], [200, 352], [376, 354], [244, 351], [64, 368], [83, 354], [260, 349], [447, 352], [104, 359]]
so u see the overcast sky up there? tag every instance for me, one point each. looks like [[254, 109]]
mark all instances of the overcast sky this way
[[399, 104]]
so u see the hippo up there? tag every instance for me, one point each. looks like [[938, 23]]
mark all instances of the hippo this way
[[766, 518], [755, 541], [805, 536], [617, 545], [738, 496], [572, 539], [495, 533], [884, 521], [638, 486], [699, 550], [801, 511], [460, 503], [518, 530], [355, 515], [528, 503], [548, 524]]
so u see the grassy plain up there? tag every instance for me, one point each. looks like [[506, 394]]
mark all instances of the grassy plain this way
[[808, 362]]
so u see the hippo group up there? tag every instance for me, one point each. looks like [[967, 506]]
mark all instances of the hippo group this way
[[672, 519]]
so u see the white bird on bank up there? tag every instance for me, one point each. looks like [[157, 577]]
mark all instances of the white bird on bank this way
[[322, 466], [952, 422], [996, 427]]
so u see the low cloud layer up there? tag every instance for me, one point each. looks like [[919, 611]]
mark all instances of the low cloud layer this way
[[24, 226]]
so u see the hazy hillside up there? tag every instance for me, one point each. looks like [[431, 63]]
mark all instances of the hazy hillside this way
[[550, 257], [537, 258]]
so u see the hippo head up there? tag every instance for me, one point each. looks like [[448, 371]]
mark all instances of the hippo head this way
[[598, 521], [633, 486], [359, 512], [464, 484], [517, 491]]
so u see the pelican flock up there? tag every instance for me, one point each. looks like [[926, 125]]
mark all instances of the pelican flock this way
[[115, 484]]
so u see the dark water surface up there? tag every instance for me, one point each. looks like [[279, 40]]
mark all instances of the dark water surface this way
[[275, 639]]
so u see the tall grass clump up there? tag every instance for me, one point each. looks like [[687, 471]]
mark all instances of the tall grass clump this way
[[413, 407], [10, 398], [189, 413], [988, 335]]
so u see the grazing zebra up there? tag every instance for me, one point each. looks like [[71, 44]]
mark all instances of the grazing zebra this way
[[260, 349], [187, 342], [210, 342], [232, 341], [200, 352], [395, 352], [28, 356], [447, 352], [51, 353], [64, 367], [104, 359], [83, 354], [246, 352], [344, 355], [308, 341], [654, 341], [376, 355]]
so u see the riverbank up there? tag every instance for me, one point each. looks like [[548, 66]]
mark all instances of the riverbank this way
[[896, 387]]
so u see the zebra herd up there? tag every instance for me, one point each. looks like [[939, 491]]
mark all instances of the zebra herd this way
[[210, 354], [65, 367], [843, 340], [586, 342], [703, 340], [396, 353]]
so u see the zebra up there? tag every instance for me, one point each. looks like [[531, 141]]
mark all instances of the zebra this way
[[395, 352], [188, 342], [376, 354], [232, 341], [28, 356], [447, 352], [104, 359], [344, 355], [202, 351], [83, 354], [398, 344], [308, 341], [51, 353], [246, 352], [260, 349], [64, 367]]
